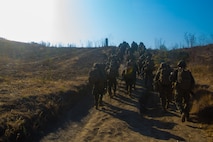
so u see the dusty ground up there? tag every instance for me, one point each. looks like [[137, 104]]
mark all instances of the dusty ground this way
[[120, 120]]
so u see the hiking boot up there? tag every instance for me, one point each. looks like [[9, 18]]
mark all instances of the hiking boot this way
[[183, 117], [130, 95], [188, 119], [114, 94], [167, 105], [101, 104]]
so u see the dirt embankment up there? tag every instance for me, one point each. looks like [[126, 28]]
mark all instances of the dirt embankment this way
[[27, 118], [124, 118], [36, 92]]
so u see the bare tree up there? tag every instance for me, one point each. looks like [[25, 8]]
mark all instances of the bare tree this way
[[202, 39], [190, 39], [89, 43], [186, 37], [159, 44], [175, 46]]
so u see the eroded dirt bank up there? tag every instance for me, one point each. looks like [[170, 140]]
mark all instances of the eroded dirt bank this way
[[120, 120]]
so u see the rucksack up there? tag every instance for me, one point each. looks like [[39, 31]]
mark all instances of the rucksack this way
[[184, 79], [164, 76], [148, 66], [129, 68], [112, 72], [94, 76]]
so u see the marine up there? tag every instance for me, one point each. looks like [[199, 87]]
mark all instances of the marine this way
[[163, 84], [98, 82], [184, 84]]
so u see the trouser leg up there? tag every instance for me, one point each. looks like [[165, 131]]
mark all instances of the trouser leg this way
[[115, 87], [100, 99], [163, 102], [163, 99], [179, 102], [130, 89], [96, 97], [186, 106], [110, 88], [168, 98]]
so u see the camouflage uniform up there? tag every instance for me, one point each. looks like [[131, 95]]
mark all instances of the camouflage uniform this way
[[112, 74], [129, 76], [182, 97], [148, 75], [140, 63], [98, 81], [164, 88]]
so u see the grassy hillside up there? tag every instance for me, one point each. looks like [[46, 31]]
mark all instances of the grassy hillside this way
[[38, 83], [201, 65]]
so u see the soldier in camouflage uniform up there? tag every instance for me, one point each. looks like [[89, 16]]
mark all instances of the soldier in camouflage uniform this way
[[112, 74], [129, 75], [98, 81], [163, 84], [148, 72], [184, 83]]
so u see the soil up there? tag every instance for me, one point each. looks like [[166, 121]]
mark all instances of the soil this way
[[125, 118]]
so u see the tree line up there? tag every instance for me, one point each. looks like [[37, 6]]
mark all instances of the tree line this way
[[190, 40]]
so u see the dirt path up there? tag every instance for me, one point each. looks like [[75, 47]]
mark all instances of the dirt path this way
[[119, 120]]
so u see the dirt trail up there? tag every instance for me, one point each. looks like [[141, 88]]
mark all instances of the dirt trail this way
[[119, 120]]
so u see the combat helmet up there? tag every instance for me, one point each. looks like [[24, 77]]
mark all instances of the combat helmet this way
[[181, 64], [96, 65]]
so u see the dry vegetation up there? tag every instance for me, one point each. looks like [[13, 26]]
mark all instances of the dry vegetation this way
[[37, 83], [200, 63]]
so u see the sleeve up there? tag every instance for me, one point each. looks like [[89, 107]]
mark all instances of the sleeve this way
[[156, 78], [192, 80]]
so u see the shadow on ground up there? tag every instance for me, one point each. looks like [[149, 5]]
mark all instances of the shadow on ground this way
[[148, 104]]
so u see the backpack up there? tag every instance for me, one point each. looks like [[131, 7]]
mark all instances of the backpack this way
[[112, 72], [94, 76], [129, 68], [149, 66], [164, 76], [184, 79]]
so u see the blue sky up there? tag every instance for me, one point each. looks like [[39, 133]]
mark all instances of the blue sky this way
[[81, 21]]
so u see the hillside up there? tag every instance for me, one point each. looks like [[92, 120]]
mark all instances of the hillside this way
[[37, 83], [42, 86]]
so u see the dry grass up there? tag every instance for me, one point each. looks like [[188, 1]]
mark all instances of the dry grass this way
[[37, 84], [203, 75], [202, 104], [200, 63]]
